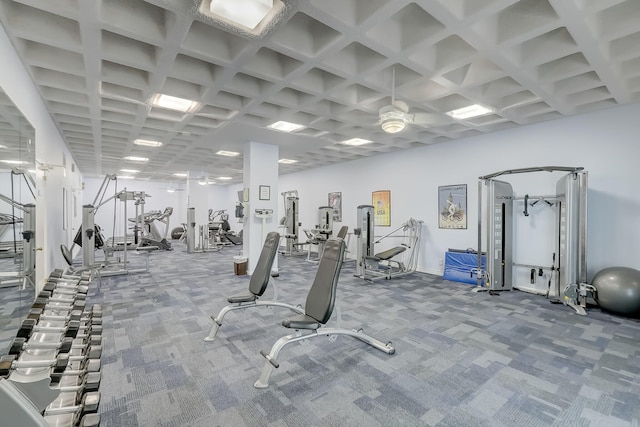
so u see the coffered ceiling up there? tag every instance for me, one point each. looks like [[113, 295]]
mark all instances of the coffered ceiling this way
[[329, 65]]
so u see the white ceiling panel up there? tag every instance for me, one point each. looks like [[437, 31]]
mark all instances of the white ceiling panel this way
[[329, 65]]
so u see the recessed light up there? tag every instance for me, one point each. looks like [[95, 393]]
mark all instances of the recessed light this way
[[129, 170], [246, 13], [2, 147], [147, 142], [285, 126], [136, 159], [14, 162], [474, 110], [287, 161], [174, 103], [224, 178], [181, 174], [356, 141], [227, 153], [124, 177]]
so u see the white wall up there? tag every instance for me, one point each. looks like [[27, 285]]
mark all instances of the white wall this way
[[604, 143], [50, 149]]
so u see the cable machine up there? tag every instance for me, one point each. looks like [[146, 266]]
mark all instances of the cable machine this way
[[90, 238], [291, 224], [319, 235], [568, 271], [28, 270]]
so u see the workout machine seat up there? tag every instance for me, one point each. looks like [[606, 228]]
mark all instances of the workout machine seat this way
[[257, 286], [301, 322], [389, 253], [318, 309], [236, 299]]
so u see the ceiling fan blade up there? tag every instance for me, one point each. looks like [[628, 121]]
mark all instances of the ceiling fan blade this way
[[431, 119]]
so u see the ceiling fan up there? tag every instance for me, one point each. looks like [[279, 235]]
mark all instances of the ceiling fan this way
[[395, 117]]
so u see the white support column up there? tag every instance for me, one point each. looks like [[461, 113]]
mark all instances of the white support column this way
[[261, 178]]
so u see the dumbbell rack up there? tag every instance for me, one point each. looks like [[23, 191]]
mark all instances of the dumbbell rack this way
[[51, 376]]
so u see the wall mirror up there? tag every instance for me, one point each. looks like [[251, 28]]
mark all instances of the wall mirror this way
[[17, 211]]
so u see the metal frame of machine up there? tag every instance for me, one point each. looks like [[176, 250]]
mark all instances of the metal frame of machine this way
[[319, 235], [291, 224], [570, 278], [28, 271], [371, 266]]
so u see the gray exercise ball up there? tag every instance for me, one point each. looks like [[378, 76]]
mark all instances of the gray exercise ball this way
[[618, 290]]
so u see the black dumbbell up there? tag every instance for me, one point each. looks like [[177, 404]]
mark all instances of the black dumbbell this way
[[41, 302], [69, 329], [61, 315], [56, 296], [20, 344], [10, 361], [56, 273], [76, 368], [61, 289], [65, 286]]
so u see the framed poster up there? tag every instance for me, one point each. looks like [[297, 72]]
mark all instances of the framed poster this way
[[264, 192], [381, 201], [335, 201], [452, 206]]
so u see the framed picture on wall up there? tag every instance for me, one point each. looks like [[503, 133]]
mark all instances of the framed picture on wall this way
[[381, 201], [264, 192], [452, 206], [335, 201]]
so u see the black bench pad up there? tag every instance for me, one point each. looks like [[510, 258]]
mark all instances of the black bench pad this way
[[301, 322], [390, 253], [241, 298]]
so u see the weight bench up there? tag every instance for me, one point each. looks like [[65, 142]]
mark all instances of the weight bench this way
[[318, 309], [257, 286], [384, 271]]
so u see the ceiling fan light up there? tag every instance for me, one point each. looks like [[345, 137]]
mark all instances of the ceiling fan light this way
[[393, 125]]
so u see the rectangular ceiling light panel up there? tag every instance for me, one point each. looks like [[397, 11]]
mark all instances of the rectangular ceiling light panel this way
[[474, 110], [136, 159], [227, 153], [285, 126], [356, 141], [246, 13], [147, 142], [174, 103]]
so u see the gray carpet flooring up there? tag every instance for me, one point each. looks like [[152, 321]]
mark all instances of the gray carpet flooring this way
[[462, 358]]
